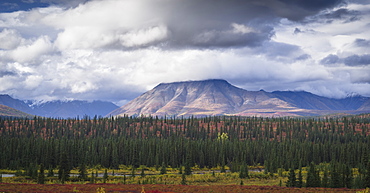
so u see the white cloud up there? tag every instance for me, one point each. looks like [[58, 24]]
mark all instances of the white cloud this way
[[115, 50], [240, 28], [9, 39], [144, 37], [98, 24], [34, 50]]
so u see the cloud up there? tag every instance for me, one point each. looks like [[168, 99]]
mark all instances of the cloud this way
[[204, 23], [362, 43], [9, 39], [115, 50], [356, 60], [342, 14], [32, 51], [330, 59]]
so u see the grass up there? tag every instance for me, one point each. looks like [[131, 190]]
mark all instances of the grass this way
[[202, 180]]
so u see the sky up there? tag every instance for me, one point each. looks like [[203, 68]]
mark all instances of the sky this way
[[115, 50]]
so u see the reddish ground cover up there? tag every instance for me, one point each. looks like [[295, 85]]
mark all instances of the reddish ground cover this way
[[118, 188]]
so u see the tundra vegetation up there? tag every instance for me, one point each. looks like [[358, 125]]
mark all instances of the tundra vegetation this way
[[299, 153]]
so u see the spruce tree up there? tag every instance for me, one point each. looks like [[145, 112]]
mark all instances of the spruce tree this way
[[325, 179], [300, 179], [41, 176], [223, 170], [180, 170], [367, 176], [183, 179], [50, 172], [243, 173], [82, 173], [64, 169], [335, 177], [163, 169], [133, 172], [105, 176], [291, 179], [92, 179], [142, 172], [313, 177], [188, 164]]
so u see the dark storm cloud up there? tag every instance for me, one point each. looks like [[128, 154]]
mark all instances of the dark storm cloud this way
[[330, 59], [6, 73], [354, 60], [343, 14], [298, 9], [208, 23], [362, 43], [357, 60]]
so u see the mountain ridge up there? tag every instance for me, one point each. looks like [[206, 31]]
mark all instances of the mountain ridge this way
[[218, 97], [58, 108], [6, 111]]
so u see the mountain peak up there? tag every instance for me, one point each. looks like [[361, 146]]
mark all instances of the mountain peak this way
[[206, 81], [218, 97]]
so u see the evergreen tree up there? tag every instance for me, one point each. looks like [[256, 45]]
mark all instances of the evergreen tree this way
[[367, 176], [223, 170], [82, 173], [291, 179], [335, 176], [180, 170], [1, 178], [348, 177], [142, 172], [243, 173], [300, 179], [188, 164], [183, 179], [105, 176], [313, 178], [92, 179], [124, 179], [64, 169], [41, 176], [163, 169], [325, 179], [32, 171], [50, 172]]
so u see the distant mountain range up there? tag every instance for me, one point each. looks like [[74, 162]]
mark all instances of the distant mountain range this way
[[56, 109], [194, 98], [218, 97]]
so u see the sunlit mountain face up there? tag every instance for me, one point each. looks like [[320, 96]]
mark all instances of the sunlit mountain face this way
[[218, 97]]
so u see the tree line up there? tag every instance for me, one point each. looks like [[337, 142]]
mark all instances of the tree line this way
[[288, 143]]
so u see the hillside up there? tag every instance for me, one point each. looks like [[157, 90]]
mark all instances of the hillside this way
[[6, 111], [58, 108], [218, 97]]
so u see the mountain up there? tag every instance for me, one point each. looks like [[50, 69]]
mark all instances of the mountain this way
[[15, 103], [218, 97], [59, 109], [71, 109], [6, 111]]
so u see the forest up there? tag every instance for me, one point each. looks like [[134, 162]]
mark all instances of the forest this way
[[335, 150]]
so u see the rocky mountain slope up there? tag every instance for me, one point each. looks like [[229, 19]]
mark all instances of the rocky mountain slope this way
[[218, 97], [59, 109]]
